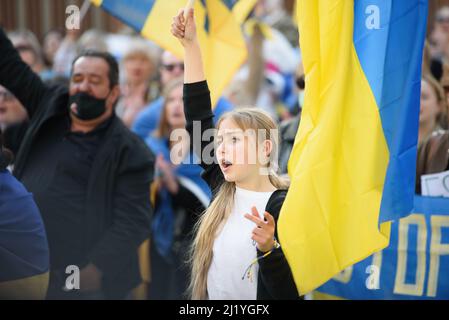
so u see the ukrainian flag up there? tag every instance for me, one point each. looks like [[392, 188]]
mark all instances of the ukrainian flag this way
[[218, 26], [353, 163]]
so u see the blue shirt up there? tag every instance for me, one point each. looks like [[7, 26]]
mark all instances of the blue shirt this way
[[23, 241]]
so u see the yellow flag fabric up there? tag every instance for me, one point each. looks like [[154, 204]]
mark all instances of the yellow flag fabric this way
[[242, 8], [342, 165], [223, 46]]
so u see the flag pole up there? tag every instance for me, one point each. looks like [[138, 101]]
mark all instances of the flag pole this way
[[84, 8], [189, 5]]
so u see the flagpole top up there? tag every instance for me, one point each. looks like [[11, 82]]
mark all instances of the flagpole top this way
[[189, 5]]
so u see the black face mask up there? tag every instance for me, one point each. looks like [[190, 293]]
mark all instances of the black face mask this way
[[87, 107]]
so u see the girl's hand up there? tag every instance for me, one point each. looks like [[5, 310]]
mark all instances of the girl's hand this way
[[184, 28], [263, 234]]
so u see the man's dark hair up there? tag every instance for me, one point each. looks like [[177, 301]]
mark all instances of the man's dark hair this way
[[5, 155], [110, 60]]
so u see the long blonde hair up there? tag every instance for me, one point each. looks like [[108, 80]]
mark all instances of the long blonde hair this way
[[212, 219]]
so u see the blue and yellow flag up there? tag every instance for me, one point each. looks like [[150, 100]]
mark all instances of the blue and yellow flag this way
[[218, 25], [353, 163], [413, 267]]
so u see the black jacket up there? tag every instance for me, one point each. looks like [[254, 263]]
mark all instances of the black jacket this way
[[118, 204], [275, 280]]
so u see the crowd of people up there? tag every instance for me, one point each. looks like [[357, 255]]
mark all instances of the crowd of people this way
[[87, 144]]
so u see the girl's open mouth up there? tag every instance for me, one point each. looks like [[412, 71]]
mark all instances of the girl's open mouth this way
[[226, 164]]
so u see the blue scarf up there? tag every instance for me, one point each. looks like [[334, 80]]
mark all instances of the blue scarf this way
[[189, 176]]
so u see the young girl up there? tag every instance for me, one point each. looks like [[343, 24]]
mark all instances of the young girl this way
[[235, 254]]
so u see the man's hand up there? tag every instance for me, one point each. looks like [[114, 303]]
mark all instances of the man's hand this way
[[90, 278]]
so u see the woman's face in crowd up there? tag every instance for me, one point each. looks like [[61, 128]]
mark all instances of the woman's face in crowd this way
[[51, 44], [175, 108], [11, 110], [430, 108], [138, 69], [237, 152]]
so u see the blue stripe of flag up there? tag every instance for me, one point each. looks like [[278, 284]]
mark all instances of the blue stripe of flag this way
[[132, 12], [391, 58], [229, 3]]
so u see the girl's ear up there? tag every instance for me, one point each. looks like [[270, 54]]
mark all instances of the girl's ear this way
[[267, 147]]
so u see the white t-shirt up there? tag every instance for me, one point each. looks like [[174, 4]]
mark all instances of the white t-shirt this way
[[234, 250]]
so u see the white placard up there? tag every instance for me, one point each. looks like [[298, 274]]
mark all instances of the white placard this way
[[435, 185]]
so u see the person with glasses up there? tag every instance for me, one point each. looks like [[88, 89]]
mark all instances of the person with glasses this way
[[148, 119]]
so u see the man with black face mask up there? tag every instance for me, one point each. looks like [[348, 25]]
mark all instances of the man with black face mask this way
[[90, 176]]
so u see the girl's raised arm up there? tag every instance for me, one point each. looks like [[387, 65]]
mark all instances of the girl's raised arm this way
[[185, 30], [197, 103]]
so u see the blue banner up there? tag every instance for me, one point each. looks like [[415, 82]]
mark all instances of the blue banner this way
[[414, 266]]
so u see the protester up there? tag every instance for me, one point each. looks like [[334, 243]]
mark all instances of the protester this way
[[51, 44], [90, 176], [24, 257], [30, 51], [92, 39], [181, 196], [140, 66], [433, 106], [223, 255], [11, 110], [433, 150]]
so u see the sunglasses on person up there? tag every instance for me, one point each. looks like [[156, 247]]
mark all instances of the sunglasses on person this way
[[6, 95], [442, 19], [172, 66]]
